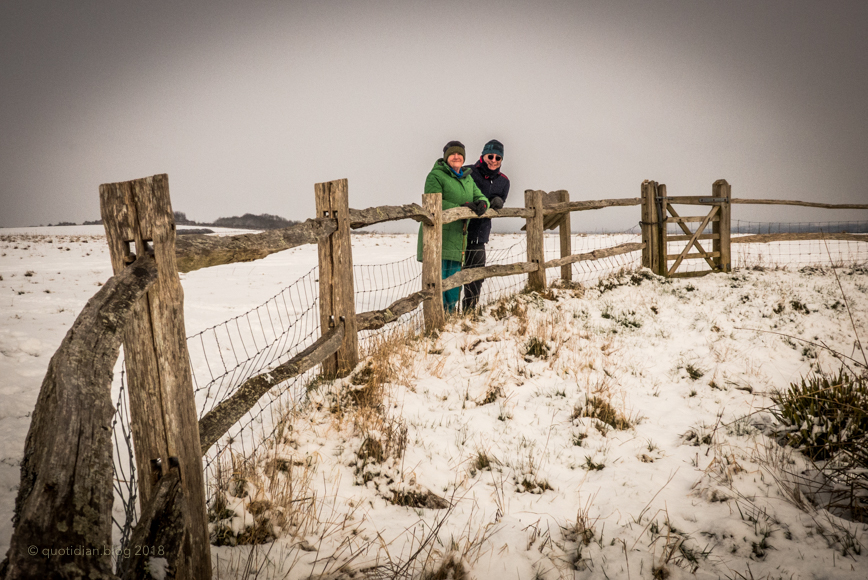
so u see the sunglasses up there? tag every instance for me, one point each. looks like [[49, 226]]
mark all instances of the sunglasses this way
[[493, 157]]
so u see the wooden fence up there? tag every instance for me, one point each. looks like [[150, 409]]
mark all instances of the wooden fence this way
[[65, 496]]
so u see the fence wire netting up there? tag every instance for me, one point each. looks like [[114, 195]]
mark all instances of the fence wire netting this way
[[226, 355]]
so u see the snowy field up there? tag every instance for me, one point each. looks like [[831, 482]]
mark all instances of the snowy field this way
[[690, 488]]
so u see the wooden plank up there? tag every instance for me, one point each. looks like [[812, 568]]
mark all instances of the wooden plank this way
[[65, 494], [471, 275], [722, 189], [595, 255], [694, 256], [691, 200], [536, 280], [566, 238], [195, 251], [684, 238], [375, 319], [692, 241], [432, 263], [688, 219], [162, 408], [786, 237], [462, 213], [220, 419], [687, 231], [801, 203], [360, 218], [591, 204]]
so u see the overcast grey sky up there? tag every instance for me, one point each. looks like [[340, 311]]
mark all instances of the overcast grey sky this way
[[247, 104]]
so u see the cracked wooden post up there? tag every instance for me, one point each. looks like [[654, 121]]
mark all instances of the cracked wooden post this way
[[137, 216], [536, 280], [432, 264], [336, 290], [722, 189]]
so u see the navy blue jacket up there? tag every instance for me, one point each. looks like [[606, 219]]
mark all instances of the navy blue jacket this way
[[492, 184]]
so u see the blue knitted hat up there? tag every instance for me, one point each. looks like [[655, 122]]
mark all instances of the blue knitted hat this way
[[493, 146]]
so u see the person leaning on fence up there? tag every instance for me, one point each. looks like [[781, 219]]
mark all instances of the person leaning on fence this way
[[449, 178], [494, 185]]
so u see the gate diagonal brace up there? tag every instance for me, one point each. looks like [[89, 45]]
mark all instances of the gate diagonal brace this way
[[693, 241]]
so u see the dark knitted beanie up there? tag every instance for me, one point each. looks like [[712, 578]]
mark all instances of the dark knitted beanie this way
[[494, 146], [453, 147]]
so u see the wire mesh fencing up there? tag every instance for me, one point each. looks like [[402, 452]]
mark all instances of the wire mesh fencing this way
[[224, 356], [798, 253]]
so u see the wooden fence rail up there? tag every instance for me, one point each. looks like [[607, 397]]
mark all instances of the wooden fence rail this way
[[66, 471]]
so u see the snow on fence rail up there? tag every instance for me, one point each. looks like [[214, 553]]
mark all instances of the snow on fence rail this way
[[170, 438]]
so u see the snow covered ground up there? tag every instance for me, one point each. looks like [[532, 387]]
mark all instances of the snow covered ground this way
[[492, 412]]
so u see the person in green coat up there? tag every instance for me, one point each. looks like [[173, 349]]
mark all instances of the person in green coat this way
[[458, 189]]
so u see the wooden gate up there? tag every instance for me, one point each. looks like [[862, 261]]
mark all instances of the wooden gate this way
[[658, 212]]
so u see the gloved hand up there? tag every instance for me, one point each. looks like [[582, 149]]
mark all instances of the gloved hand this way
[[497, 203], [477, 207]]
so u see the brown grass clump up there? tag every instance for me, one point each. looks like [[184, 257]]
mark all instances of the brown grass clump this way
[[599, 408]]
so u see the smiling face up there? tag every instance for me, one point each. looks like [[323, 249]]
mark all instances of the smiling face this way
[[455, 161], [493, 161]]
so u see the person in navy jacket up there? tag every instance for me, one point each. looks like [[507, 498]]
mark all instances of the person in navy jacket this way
[[495, 186]]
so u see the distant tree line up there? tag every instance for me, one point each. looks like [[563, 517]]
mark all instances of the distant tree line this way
[[248, 222]]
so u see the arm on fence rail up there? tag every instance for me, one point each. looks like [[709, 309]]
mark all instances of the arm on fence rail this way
[[379, 318], [65, 496], [197, 251], [783, 237], [473, 274], [595, 255], [804, 203], [360, 218], [218, 420]]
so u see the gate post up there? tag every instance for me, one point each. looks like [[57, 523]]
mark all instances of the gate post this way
[[650, 237], [432, 262], [660, 203], [566, 239], [536, 280], [137, 216], [722, 189], [336, 290]]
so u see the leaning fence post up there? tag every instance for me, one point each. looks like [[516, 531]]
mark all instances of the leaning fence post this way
[[336, 290], [536, 280], [722, 189], [566, 239], [137, 216], [432, 262]]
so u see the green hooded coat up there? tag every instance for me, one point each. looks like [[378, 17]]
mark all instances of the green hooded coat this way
[[456, 192]]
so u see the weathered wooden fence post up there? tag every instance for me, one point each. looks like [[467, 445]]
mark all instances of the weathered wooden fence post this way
[[138, 218], [650, 223], [432, 262], [336, 289], [723, 191], [533, 199], [662, 228], [563, 196]]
